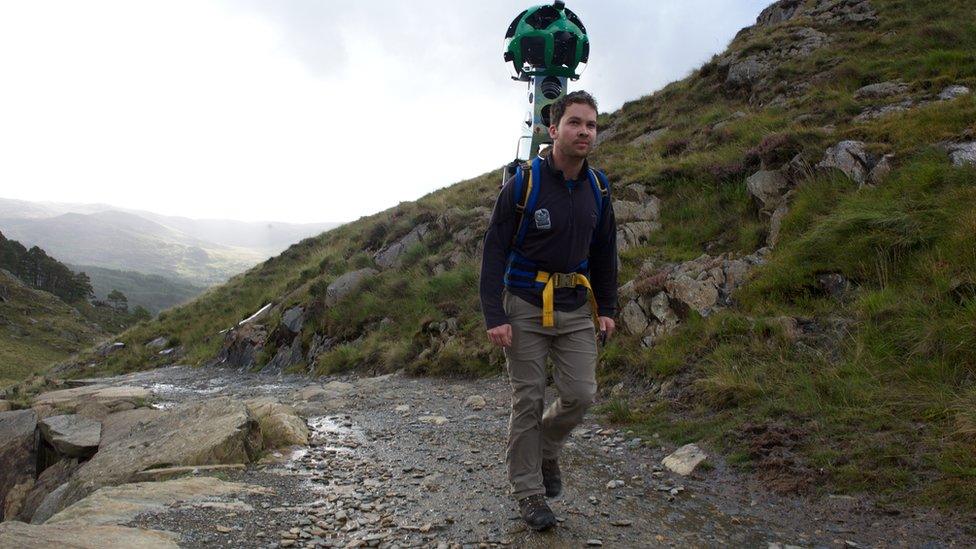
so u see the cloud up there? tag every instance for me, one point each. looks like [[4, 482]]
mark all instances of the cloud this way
[[296, 110]]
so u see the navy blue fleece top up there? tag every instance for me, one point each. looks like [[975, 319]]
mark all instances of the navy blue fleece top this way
[[572, 237]]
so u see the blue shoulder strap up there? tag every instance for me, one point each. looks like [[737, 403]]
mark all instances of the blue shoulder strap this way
[[535, 180], [601, 190]]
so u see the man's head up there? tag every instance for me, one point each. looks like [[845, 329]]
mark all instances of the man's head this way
[[573, 124]]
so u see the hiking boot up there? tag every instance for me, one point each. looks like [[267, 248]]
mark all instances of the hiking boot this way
[[536, 513], [552, 479]]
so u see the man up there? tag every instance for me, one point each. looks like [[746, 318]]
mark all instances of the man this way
[[535, 273]]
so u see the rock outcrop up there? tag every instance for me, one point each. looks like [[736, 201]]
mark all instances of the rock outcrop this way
[[703, 285], [854, 160], [115, 505], [962, 154], [392, 255], [346, 284], [17, 458], [69, 401], [218, 430], [29, 536]]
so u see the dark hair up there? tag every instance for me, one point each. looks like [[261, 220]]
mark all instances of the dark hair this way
[[558, 108]]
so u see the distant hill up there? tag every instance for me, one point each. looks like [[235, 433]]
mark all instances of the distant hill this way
[[266, 237], [124, 241], [154, 292]]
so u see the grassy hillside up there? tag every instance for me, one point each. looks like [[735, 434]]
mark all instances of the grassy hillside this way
[[37, 329], [867, 388]]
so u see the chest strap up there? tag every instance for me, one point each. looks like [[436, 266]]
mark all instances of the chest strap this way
[[563, 280]]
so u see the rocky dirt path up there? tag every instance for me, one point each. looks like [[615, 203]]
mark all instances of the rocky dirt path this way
[[404, 462]]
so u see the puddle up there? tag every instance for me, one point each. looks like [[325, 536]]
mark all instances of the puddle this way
[[168, 389]]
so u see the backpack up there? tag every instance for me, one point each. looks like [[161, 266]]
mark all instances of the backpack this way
[[520, 271]]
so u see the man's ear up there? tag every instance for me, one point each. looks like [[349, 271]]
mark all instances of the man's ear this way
[[552, 132]]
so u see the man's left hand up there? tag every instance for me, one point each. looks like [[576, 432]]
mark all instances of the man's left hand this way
[[607, 325]]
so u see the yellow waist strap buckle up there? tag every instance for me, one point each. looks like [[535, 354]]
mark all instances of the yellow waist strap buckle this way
[[563, 280]]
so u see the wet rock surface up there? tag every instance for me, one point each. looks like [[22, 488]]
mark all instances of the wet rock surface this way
[[377, 474]]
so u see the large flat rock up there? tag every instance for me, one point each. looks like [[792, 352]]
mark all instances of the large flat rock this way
[[121, 504], [18, 454], [72, 435], [217, 430], [113, 398], [33, 536]]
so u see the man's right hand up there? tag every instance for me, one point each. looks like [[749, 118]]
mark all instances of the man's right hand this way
[[501, 335]]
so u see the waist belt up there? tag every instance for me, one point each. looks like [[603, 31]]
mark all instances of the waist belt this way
[[563, 280]]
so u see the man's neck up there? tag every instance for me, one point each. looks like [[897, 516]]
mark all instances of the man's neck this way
[[570, 167]]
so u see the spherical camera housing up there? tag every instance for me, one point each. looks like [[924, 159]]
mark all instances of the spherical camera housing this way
[[547, 40]]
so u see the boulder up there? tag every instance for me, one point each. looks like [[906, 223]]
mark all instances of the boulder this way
[[113, 505], [746, 72], [880, 171], [778, 12], [392, 255], [660, 307], [279, 424], [33, 536], [113, 398], [475, 402], [5, 406], [880, 111], [217, 430], [346, 284], [684, 460], [18, 452], [648, 138], [72, 435], [242, 346], [881, 90], [962, 154], [293, 319], [851, 158], [768, 187], [699, 295], [953, 92], [158, 343], [626, 210], [633, 319], [635, 233]]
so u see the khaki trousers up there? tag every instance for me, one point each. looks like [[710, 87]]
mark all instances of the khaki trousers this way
[[532, 434]]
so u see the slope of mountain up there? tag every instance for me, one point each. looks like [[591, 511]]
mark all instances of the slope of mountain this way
[[808, 194], [37, 329], [153, 292]]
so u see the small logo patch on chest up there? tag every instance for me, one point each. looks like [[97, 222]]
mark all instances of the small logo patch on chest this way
[[542, 221]]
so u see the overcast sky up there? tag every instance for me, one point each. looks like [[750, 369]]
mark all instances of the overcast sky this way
[[297, 110]]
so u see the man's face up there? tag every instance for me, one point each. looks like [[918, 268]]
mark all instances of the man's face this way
[[576, 132]]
